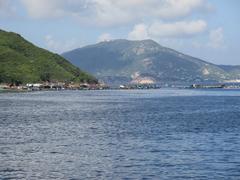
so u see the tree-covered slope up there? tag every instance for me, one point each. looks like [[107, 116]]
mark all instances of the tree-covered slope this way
[[129, 61], [21, 61]]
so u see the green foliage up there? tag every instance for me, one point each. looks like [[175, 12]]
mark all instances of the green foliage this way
[[22, 62], [120, 61]]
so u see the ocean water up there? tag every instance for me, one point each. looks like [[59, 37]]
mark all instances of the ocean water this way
[[135, 134]]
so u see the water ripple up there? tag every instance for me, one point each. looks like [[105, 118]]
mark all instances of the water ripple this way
[[136, 134]]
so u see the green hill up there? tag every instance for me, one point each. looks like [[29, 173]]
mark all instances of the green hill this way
[[124, 61], [23, 62]]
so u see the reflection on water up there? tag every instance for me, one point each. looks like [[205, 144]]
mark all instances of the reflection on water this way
[[166, 134]]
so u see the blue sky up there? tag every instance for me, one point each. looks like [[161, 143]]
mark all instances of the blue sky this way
[[207, 29]]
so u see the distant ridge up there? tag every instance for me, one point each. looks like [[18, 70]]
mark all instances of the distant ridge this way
[[22, 62], [124, 61]]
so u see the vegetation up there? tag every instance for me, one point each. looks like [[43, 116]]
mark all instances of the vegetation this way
[[23, 62], [123, 61]]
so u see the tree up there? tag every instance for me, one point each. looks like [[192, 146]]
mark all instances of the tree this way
[[46, 76]]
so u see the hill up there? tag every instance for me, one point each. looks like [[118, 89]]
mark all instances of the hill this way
[[124, 61], [23, 62]]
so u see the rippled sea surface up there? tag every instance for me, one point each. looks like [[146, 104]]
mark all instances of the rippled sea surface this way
[[136, 134]]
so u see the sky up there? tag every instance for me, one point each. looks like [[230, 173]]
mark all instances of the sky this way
[[206, 29]]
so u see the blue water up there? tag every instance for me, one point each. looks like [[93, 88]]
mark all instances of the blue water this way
[[135, 134]]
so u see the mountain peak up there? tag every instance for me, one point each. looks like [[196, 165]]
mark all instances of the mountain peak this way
[[145, 41], [120, 60]]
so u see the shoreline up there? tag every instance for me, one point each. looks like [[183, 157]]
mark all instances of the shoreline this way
[[3, 91]]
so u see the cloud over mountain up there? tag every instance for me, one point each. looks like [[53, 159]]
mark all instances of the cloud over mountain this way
[[7, 9], [216, 38], [203, 28], [162, 30], [111, 12]]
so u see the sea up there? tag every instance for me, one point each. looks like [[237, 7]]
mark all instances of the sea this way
[[120, 134]]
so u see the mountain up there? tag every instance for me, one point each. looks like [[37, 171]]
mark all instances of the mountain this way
[[23, 62], [124, 61], [234, 71]]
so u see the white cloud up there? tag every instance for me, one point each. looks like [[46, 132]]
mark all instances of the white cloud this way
[[216, 38], [177, 29], [3, 4], [7, 9], [44, 8], [139, 32], [112, 12], [104, 37], [176, 8], [59, 46], [160, 30]]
